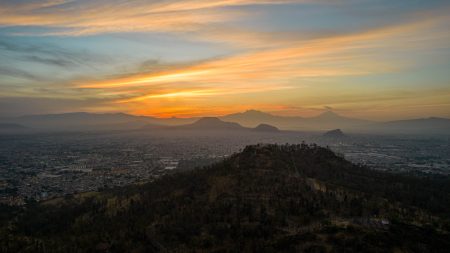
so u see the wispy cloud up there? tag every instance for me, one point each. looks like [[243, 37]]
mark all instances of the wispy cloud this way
[[270, 69], [51, 54], [340, 55], [258, 61], [14, 72], [74, 18]]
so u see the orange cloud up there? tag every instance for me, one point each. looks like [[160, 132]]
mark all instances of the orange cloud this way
[[266, 61], [271, 69], [343, 55], [93, 17]]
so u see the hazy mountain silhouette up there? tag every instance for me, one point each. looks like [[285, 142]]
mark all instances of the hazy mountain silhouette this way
[[208, 124], [82, 121], [266, 128], [328, 115], [331, 119], [92, 121], [336, 133], [212, 123], [326, 120], [249, 119], [253, 118]]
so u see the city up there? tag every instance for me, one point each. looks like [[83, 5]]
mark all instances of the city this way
[[44, 166]]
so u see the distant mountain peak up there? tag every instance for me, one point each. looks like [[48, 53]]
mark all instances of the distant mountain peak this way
[[253, 111], [213, 123], [436, 118], [209, 119], [266, 128], [329, 114], [336, 133]]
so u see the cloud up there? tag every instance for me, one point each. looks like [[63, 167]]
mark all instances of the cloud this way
[[340, 55], [261, 61], [18, 73], [50, 61], [50, 54], [271, 69], [75, 18]]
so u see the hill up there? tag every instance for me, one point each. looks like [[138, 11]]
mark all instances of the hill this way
[[211, 123], [84, 121], [252, 118], [326, 120], [81, 121], [336, 133], [268, 198], [266, 128], [330, 119]]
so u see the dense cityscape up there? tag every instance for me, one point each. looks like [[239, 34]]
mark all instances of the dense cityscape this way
[[44, 166]]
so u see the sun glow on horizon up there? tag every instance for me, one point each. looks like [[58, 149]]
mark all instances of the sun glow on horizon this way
[[169, 57]]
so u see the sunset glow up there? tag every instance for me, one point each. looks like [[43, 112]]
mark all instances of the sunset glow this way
[[368, 59]]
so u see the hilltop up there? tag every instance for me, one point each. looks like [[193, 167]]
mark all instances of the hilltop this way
[[336, 133], [211, 123], [267, 198], [266, 128]]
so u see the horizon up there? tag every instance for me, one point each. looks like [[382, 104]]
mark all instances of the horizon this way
[[373, 60], [320, 113], [224, 126]]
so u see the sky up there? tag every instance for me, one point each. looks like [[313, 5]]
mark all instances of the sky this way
[[371, 59]]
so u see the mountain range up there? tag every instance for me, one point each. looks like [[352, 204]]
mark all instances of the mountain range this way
[[82, 121], [212, 124], [321, 122]]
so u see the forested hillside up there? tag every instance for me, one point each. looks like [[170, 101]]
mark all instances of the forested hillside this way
[[267, 198]]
